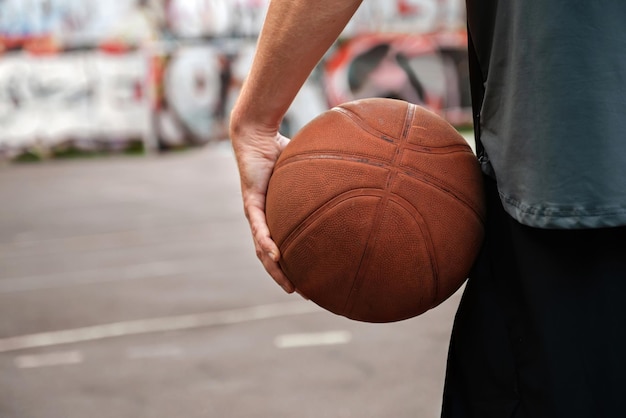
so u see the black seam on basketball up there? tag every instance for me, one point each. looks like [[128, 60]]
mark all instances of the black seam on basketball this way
[[427, 239], [441, 186], [417, 175], [333, 154], [408, 119], [411, 115], [393, 171], [311, 219], [424, 236], [358, 121], [365, 255], [318, 212]]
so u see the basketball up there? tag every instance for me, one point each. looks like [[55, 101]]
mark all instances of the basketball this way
[[377, 208]]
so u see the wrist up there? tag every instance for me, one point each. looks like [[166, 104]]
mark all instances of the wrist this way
[[246, 122]]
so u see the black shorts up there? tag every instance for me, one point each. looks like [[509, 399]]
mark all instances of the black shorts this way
[[541, 328]]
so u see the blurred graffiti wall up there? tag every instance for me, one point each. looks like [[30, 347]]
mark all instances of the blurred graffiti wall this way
[[162, 74]]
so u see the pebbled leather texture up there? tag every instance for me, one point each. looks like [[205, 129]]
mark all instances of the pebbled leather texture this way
[[377, 207]]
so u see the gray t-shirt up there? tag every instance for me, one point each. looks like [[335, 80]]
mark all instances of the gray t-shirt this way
[[553, 116]]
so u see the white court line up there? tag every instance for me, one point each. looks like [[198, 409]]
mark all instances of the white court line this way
[[154, 351], [171, 323], [312, 339], [49, 359], [31, 239], [103, 275]]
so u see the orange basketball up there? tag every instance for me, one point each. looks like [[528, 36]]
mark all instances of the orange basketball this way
[[377, 208]]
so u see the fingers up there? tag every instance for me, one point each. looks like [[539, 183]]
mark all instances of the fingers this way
[[274, 270], [266, 249], [256, 154]]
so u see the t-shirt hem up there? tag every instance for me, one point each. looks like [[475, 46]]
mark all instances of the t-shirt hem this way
[[559, 217]]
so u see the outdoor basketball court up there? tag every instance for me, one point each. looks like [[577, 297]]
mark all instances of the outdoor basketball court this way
[[129, 288]]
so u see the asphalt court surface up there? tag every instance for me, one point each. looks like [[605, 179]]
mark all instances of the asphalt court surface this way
[[129, 288]]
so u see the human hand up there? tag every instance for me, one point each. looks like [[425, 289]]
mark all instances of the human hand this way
[[256, 150]]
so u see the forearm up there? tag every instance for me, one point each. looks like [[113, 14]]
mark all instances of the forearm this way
[[295, 36]]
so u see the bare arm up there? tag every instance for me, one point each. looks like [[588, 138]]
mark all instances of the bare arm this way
[[295, 36]]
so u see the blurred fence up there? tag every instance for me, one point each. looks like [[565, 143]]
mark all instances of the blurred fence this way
[[82, 76]]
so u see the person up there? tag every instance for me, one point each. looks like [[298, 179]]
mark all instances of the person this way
[[540, 330]]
